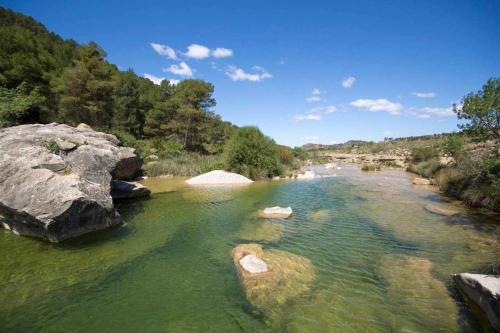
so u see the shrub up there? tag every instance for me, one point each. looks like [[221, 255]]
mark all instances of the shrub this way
[[426, 168], [251, 153], [421, 154], [285, 155], [370, 167], [53, 146], [186, 164], [164, 148], [127, 139], [453, 145]]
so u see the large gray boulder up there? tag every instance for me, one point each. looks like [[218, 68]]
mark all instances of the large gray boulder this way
[[484, 290], [55, 180]]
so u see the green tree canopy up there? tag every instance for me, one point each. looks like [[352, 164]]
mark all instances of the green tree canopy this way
[[252, 154], [481, 110]]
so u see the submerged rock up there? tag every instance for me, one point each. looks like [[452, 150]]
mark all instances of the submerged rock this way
[[262, 230], [422, 181], [484, 291], [219, 177], [276, 212], [319, 215], [55, 179], [412, 289], [287, 275], [441, 210]]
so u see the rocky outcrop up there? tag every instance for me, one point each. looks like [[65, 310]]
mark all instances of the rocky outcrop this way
[[276, 212], [121, 189], [219, 177], [484, 291], [55, 180], [422, 181]]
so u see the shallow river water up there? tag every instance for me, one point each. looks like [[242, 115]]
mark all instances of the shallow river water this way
[[381, 262]]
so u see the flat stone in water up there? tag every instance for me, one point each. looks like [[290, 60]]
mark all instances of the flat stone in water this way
[[253, 264]]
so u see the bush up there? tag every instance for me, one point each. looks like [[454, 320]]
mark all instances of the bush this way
[[251, 153], [285, 155], [53, 146], [476, 182], [127, 139], [422, 154], [371, 167], [163, 148], [453, 145], [426, 168], [186, 164]]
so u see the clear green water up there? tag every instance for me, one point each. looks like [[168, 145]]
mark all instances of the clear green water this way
[[382, 262]]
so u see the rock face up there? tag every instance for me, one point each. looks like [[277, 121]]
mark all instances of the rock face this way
[[484, 290], [441, 210], [276, 212], [55, 180], [121, 189], [421, 181], [253, 264], [219, 177]]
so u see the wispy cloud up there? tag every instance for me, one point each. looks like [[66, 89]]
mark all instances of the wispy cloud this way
[[310, 139], [323, 109], [182, 69], [311, 116], [315, 96], [348, 82], [154, 79], [428, 112], [222, 52], [197, 51], [424, 94], [164, 50], [238, 74], [380, 104]]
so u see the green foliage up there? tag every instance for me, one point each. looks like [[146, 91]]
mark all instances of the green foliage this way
[[285, 155], [426, 168], [481, 110], [424, 153], [185, 164], [370, 167], [52, 146], [20, 105], [453, 145], [300, 153], [163, 148], [476, 181], [251, 153]]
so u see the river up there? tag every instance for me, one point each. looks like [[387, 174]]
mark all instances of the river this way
[[381, 262]]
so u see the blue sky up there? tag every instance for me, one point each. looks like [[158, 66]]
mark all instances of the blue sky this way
[[310, 71]]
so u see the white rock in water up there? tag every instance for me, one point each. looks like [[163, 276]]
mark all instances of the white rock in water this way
[[253, 264], [306, 175], [330, 165], [219, 177], [484, 290], [421, 181], [277, 212]]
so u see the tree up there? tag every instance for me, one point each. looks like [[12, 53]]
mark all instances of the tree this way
[[482, 110], [128, 111], [251, 153], [85, 89], [20, 105]]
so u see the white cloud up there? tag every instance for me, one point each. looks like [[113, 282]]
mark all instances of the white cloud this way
[[300, 117], [164, 50], [348, 82], [310, 138], [174, 81], [222, 52], [315, 96], [182, 69], [323, 109], [154, 79], [375, 105], [197, 51], [427, 112], [424, 94], [238, 74]]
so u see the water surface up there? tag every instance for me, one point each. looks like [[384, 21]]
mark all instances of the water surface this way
[[382, 263]]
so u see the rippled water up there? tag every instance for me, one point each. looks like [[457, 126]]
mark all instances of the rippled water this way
[[382, 263]]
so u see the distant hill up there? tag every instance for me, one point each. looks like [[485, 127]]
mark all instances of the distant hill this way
[[318, 146]]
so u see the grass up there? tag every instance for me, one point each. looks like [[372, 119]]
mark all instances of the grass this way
[[52, 146], [186, 164]]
